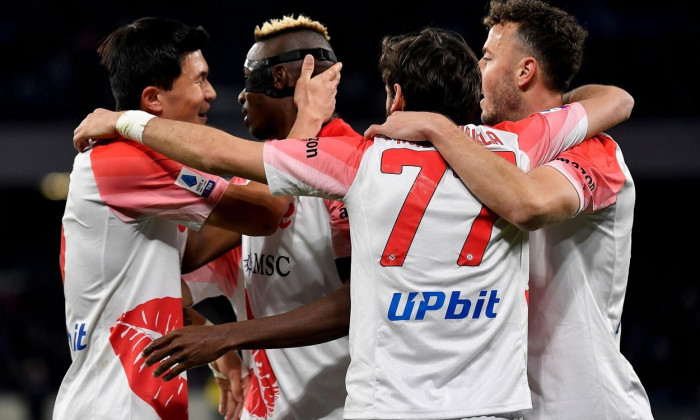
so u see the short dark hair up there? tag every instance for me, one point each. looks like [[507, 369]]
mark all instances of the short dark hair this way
[[552, 36], [437, 71], [147, 52]]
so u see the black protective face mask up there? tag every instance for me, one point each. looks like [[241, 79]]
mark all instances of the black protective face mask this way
[[260, 79]]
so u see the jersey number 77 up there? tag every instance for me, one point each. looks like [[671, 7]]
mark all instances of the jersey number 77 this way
[[432, 169]]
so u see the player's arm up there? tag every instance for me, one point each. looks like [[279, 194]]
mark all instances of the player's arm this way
[[323, 320], [605, 105], [202, 147], [529, 201], [206, 245], [249, 209]]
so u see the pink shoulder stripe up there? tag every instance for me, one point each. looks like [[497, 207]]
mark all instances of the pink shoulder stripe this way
[[595, 170], [545, 134], [330, 164], [135, 181]]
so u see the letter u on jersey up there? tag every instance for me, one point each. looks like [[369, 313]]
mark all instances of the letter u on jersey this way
[[403, 305]]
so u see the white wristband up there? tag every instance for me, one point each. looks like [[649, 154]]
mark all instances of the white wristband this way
[[216, 373], [132, 123]]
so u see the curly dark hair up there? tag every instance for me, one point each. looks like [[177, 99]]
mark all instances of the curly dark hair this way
[[437, 71], [550, 34]]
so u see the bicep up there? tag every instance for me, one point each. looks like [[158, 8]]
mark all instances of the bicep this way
[[561, 198]]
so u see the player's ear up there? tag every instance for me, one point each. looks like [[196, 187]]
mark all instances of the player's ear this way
[[150, 101], [527, 69], [399, 103], [280, 76]]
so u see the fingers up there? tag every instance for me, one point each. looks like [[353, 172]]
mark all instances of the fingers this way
[[231, 407], [223, 396], [160, 351], [307, 67], [163, 366], [80, 142], [335, 70], [332, 74], [157, 344], [372, 131], [174, 371]]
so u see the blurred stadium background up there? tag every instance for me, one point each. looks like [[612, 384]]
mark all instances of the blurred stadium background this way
[[50, 79]]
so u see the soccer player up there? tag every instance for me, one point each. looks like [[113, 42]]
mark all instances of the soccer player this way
[[439, 317], [306, 259], [123, 228], [578, 268]]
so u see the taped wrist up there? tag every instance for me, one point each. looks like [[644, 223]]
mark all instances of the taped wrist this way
[[216, 373], [132, 123]]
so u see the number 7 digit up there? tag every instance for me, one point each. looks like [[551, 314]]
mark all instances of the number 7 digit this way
[[432, 168]]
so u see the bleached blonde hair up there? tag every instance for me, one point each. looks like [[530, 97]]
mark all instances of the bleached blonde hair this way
[[274, 27]]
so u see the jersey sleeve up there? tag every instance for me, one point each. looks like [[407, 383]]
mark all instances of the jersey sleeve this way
[[137, 182], [545, 134], [593, 168], [340, 228], [320, 167]]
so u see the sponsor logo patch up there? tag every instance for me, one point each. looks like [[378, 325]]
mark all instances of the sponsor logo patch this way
[[195, 182]]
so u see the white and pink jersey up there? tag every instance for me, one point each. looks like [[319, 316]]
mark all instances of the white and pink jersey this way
[[578, 278], [439, 313], [120, 258], [283, 271]]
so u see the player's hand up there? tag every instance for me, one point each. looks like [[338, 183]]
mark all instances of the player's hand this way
[[405, 125], [185, 348], [233, 387], [99, 124], [315, 96]]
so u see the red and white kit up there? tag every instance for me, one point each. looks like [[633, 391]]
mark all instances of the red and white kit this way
[[120, 258], [281, 272], [439, 313], [578, 278]]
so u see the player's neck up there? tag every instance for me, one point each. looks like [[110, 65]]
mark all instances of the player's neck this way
[[541, 100]]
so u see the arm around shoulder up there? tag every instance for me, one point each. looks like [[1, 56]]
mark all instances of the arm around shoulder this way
[[605, 105]]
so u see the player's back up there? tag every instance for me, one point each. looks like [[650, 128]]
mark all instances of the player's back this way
[[442, 279]]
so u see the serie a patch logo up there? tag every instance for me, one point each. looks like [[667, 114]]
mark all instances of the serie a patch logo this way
[[195, 182]]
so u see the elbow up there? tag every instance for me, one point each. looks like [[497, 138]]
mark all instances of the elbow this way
[[271, 212], [542, 211], [528, 215], [626, 106], [265, 230], [528, 224], [531, 224], [266, 226]]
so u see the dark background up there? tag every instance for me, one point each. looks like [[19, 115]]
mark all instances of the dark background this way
[[50, 79]]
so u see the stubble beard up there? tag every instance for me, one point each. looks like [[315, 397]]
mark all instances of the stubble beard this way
[[506, 104]]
